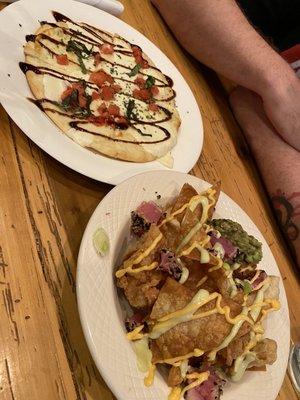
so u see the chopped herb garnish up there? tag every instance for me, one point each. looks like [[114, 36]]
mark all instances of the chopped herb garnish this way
[[71, 103], [130, 107], [247, 287], [150, 82], [70, 100], [135, 70], [81, 51]]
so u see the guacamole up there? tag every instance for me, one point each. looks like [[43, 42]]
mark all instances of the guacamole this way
[[250, 249]]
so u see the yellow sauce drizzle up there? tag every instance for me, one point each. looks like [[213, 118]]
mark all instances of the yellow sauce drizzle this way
[[135, 334], [204, 297], [175, 393], [130, 263], [204, 254], [148, 381], [203, 280], [176, 360], [191, 203]]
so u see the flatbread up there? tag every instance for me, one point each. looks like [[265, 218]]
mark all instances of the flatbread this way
[[148, 130]]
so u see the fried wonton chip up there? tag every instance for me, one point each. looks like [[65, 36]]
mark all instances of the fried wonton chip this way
[[174, 377], [172, 297], [205, 333]]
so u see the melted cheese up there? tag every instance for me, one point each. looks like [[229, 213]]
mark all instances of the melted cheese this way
[[128, 265], [53, 87], [167, 160]]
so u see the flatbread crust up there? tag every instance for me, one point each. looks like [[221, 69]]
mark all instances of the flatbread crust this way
[[149, 138]]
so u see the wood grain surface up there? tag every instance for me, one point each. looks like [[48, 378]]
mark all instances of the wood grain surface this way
[[44, 210]]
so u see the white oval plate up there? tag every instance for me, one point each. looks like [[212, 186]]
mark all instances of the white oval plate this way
[[22, 18], [99, 307]]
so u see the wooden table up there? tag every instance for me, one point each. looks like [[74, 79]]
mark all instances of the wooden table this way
[[44, 210]]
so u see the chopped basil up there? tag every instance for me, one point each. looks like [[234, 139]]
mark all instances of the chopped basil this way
[[135, 70], [150, 82], [130, 107], [70, 100], [71, 103], [81, 51]]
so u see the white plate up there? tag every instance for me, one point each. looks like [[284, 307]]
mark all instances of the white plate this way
[[99, 307], [22, 18]]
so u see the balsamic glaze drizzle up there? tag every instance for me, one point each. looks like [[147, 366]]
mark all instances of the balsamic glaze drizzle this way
[[80, 121]]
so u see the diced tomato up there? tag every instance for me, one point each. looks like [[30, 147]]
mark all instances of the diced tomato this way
[[144, 64], [79, 87], [67, 92], [107, 93], [153, 107], [138, 55], [121, 120], [114, 110], [62, 59], [100, 77], [99, 121], [97, 59], [82, 101], [140, 82], [154, 90], [117, 88], [136, 51], [102, 110], [142, 94], [106, 48], [96, 95]]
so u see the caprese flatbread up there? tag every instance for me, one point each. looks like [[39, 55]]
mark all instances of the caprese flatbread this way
[[101, 91]]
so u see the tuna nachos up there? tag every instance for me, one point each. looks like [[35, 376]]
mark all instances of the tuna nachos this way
[[102, 91], [197, 295]]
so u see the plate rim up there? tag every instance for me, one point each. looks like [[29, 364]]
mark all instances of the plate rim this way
[[84, 322]]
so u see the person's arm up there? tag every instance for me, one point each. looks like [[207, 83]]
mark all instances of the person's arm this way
[[279, 164], [217, 33]]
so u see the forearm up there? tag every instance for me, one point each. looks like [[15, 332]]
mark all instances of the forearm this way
[[218, 34], [278, 163]]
